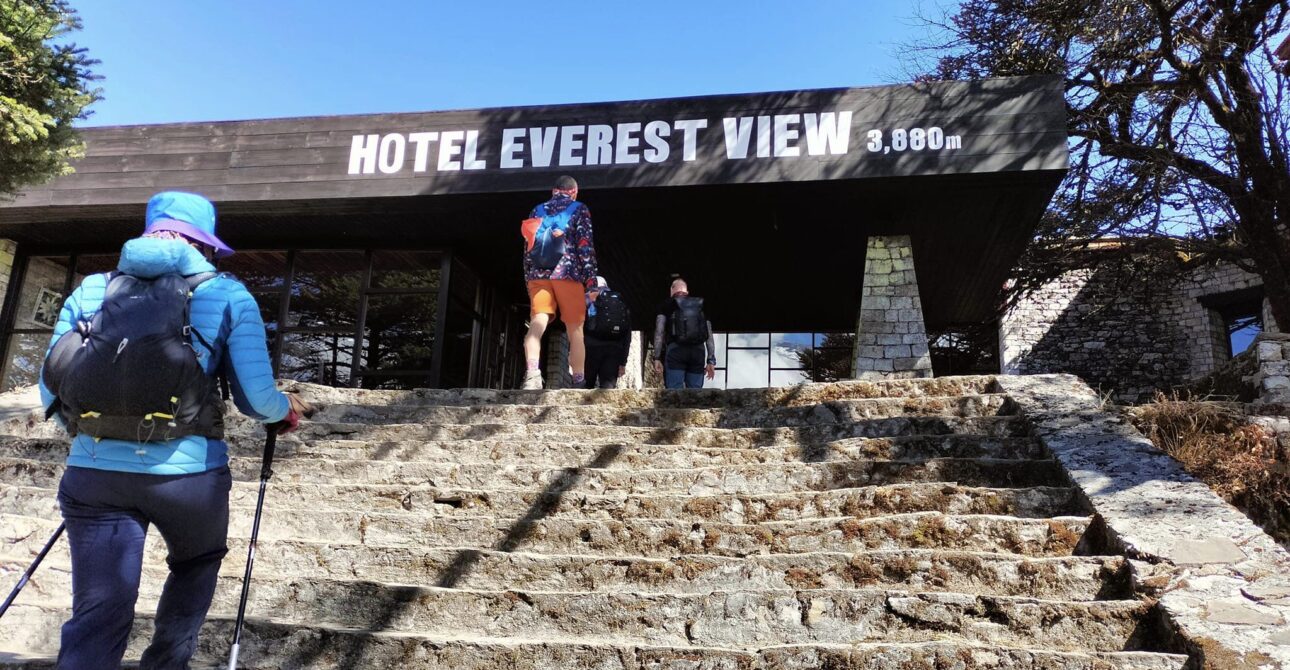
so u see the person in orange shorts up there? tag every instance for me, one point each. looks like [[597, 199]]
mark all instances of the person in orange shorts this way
[[559, 266]]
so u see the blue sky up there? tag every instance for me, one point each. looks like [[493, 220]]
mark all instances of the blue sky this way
[[202, 60], [206, 60]]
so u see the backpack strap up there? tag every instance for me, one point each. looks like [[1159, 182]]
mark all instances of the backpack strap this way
[[109, 279], [193, 282], [559, 221], [198, 279]]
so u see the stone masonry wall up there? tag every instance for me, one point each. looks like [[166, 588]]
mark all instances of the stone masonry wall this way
[[891, 339], [7, 250], [1272, 378], [1127, 339]]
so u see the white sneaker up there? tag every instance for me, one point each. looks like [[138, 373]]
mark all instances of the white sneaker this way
[[532, 380]]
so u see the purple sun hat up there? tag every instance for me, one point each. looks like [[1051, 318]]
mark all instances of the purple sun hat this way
[[188, 214]]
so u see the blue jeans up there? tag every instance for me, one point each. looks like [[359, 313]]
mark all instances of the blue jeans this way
[[107, 515], [683, 366]]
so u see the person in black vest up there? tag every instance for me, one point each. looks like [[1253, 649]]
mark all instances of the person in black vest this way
[[682, 335], [608, 336]]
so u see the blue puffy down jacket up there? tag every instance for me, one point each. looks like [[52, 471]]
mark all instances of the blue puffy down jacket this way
[[226, 314]]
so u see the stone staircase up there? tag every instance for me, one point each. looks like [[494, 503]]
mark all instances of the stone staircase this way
[[903, 524]]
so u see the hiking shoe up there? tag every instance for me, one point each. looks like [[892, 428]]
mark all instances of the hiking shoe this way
[[532, 380]]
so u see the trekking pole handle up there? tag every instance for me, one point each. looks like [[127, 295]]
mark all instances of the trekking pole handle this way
[[270, 446]]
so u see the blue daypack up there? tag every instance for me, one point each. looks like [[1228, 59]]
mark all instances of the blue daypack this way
[[547, 248]]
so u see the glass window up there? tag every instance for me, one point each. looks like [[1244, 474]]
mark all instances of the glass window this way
[[325, 290], [719, 340], [93, 264], [321, 358], [749, 339], [261, 271], [788, 377], [748, 368], [405, 269], [26, 355], [790, 340], [399, 332], [786, 351]]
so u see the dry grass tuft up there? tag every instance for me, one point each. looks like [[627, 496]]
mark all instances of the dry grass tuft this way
[[1217, 444]]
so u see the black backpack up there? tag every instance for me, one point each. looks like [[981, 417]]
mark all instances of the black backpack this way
[[612, 320], [688, 324], [130, 372]]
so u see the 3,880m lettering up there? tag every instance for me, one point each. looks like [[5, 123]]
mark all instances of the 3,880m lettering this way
[[913, 139]]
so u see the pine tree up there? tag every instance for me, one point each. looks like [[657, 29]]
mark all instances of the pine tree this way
[[44, 87]]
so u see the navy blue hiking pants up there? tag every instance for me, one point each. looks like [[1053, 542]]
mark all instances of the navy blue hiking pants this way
[[684, 365], [107, 515]]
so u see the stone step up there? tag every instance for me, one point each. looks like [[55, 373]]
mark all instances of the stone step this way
[[635, 456], [270, 645], [833, 411], [738, 438], [740, 619], [1071, 578], [748, 479], [792, 396], [651, 538], [860, 502], [994, 426], [627, 456]]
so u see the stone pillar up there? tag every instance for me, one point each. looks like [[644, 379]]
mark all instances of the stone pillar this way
[[1272, 377], [633, 378], [891, 340]]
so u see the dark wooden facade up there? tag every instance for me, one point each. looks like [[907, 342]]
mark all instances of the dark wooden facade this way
[[774, 240]]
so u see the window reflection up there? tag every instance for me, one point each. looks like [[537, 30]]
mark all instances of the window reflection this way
[[324, 302]]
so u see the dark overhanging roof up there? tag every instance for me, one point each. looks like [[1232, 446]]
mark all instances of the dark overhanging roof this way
[[775, 242]]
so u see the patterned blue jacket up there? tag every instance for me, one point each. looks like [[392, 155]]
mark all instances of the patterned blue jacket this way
[[226, 314]]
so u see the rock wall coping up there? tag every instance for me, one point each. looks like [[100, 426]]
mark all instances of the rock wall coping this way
[[1223, 584]]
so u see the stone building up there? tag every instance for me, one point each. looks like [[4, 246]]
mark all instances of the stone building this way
[[1131, 338]]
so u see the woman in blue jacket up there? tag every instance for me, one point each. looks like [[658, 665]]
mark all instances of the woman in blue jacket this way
[[113, 489]]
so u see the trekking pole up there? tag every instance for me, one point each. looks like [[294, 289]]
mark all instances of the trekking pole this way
[[26, 576], [266, 471]]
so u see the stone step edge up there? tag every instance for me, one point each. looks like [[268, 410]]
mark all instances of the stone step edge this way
[[760, 524], [290, 441], [405, 588], [918, 399], [555, 557], [997, 418], [445, 496], [611, 646], [1041, 462], [978, 383], [234, 568], [582, 640]]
